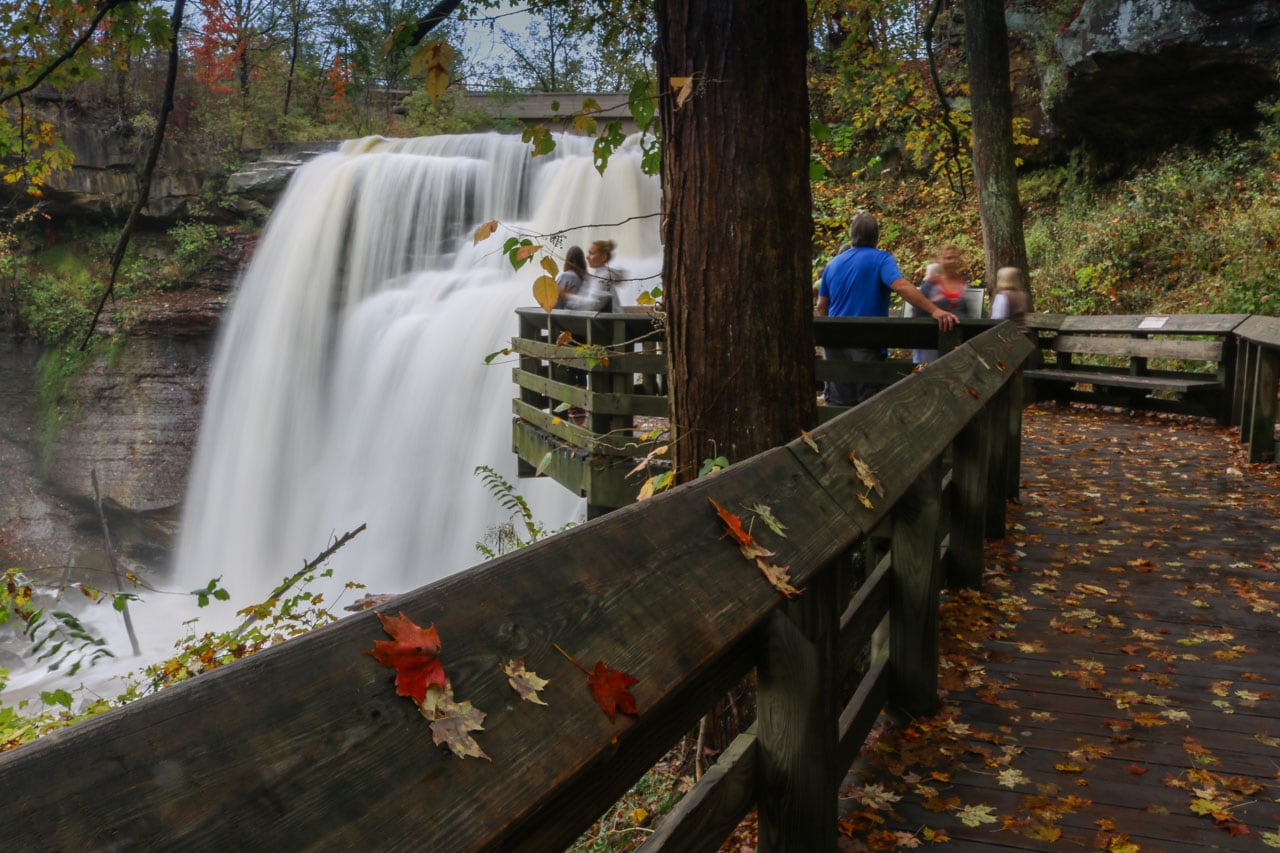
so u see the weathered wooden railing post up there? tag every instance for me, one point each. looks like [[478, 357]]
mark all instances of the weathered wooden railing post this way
[[998, 477], [1257, 374], [967, 512], [1261, 408], [797, 713], [533, 331], [1017, 392], [1242, 387], [913, 609]]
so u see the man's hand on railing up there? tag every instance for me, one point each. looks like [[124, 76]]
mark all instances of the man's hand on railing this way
[[946, 320]]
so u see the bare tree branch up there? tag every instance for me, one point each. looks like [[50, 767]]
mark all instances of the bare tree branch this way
[[952, 130], [153, 156], [302, 573], [432, 19]]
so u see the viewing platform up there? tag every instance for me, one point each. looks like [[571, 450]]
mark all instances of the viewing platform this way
[[1074, 607]]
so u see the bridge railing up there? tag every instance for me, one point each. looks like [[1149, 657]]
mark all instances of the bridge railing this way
[[1221, 366], [593, 389], [307, 745], [1257, 378]]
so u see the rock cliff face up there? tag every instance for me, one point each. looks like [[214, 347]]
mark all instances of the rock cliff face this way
[[1136, 76], [131, 415], [103, 179]]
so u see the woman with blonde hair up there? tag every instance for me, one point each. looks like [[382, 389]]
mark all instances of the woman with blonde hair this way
[[1011, 301], [946, 290]]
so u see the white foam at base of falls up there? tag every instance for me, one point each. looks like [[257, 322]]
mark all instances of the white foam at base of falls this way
[[349, 385]]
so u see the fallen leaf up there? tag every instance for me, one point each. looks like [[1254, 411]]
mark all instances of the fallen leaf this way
[[810, 440], [977, 815], [609, 688], [779, 577], [524, 682], [369, 601], [453, 721], [734, 530], [866, 475], [414, 653], [765, 514]]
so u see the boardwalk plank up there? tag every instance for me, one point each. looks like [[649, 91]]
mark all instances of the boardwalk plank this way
[[1139, 578]]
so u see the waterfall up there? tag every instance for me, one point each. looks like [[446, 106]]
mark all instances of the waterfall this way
[[349, 385]]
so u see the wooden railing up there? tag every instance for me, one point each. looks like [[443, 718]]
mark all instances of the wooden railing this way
[[1257, 378], [1211, 365], [306, 745], [620, 389], [1221, 366]]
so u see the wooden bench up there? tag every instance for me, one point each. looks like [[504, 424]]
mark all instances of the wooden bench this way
[[1120, 351]]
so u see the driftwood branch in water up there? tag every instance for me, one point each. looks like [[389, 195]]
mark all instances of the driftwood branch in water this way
[[144, 183], [111, 561], [303, 572]]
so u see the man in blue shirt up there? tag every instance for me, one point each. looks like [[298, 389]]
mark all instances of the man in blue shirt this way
[[857, 283]]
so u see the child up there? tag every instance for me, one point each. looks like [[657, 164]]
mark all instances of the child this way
[[1011, 301]]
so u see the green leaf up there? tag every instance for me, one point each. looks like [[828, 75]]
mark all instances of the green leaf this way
[[56, 697], [541, 139], [643, 103], [606, 143]]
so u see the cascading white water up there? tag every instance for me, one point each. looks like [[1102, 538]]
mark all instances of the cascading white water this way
[[349, 385]]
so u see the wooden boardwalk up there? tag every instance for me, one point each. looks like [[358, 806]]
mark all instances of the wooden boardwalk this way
[[1117, 684]]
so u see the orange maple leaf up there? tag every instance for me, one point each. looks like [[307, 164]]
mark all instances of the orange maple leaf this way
[[609, 688], [750, 548], [732, 525], [413, 652]]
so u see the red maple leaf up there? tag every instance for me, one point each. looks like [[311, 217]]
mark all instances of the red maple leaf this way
[[414, 653], [609, 688]]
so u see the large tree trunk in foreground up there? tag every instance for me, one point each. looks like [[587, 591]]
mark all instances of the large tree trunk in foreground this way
[[994, 172], [736, 227]]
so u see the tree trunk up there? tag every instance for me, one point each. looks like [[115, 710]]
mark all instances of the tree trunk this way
[[736, 226], [994, 172], [294, 40]]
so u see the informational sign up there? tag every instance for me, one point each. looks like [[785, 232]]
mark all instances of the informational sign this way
[[1153, 322]]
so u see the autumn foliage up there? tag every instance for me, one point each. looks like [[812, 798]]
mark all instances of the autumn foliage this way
[[414, 653]]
